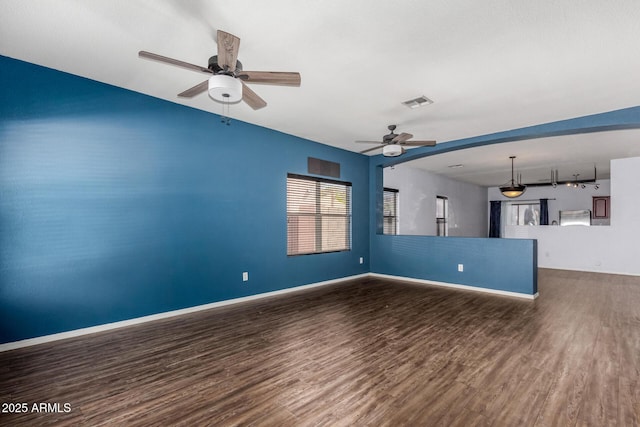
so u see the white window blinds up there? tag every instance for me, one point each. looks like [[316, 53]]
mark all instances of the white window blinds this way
[[318, 215]]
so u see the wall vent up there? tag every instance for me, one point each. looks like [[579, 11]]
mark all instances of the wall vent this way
[[323, 167]]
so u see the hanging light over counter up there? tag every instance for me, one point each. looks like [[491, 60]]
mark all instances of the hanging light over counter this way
[[513, 190]]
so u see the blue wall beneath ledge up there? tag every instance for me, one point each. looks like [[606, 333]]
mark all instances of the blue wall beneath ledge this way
[[500, 264], [116, 205]]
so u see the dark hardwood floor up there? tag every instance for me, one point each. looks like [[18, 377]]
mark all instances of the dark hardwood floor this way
[[367, 352]]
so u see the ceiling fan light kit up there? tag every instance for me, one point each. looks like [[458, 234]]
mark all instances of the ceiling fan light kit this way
[[513, 190], [226, 89], [392, 150]]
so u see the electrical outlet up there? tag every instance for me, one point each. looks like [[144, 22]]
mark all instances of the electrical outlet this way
[[361, 260], [460, 267], [245, 276]]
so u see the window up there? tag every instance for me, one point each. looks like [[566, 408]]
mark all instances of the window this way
[[390, 211], [524, 214], [442, 213], [318, 215]]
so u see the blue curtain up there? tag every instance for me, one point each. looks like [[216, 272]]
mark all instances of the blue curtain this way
[[494, 219], [544, 212]]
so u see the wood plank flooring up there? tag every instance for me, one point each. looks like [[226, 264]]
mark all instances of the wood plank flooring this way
[[369, 352]]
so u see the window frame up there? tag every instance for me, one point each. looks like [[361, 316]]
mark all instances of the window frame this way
[[318, 215], [442, 221], [394, 218], [514, 219]]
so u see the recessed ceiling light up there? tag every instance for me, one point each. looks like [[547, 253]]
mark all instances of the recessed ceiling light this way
[[418, 102], [456, 166]]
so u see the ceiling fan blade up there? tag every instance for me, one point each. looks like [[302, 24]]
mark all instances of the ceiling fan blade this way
[[370, 149], [402, 137], [271, 78], [228, 46], [167, 60], [196, 90], [419, 143], [368, 142], [251, 98]]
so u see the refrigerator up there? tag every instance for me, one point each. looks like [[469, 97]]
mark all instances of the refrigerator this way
[[578, 217]]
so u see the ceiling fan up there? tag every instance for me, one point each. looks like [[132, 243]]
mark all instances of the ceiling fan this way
[[393, 144], [227, 83]]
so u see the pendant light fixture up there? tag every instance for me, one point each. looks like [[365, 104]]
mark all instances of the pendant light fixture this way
[[512, 190]]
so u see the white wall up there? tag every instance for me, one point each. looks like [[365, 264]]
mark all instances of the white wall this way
[[418, 189], [566, 198], [608, 249]]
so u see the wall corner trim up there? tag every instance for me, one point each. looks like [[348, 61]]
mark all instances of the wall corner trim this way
[[456, 286]]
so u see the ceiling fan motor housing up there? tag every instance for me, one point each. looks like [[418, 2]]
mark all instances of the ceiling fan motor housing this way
[[389, 137], [213, 65]]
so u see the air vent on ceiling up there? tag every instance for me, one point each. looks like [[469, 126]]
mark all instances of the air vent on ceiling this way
[[418, 102]]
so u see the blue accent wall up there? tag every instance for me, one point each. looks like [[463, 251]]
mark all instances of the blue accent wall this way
[[116, 205], [500, 264]]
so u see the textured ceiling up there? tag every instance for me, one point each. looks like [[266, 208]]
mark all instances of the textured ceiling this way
[[489, 65]]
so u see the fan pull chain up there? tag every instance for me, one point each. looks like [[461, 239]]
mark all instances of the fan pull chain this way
[[224, 117]]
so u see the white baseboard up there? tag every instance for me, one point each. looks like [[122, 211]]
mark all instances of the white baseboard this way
[[582, 270], [167, 314], [136, 321], [456, 286]]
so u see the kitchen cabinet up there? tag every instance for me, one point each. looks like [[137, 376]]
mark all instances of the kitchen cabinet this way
[[601, 207]]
